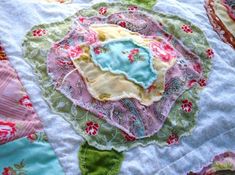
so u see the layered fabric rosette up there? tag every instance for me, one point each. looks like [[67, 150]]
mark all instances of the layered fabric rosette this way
[[122, 75]]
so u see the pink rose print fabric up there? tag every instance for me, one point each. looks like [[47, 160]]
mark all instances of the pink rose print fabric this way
[[17, 116], [134, 119]]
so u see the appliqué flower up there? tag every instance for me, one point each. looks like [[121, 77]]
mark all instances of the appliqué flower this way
[[210, 53], [202, 82], [103, 10], [122, 24], [92, 128], [25, 101], [7, 130], [132, 8], [128, 137], [75, 52], [173, 139], [187, 106], [39, 32], [163, 50], [186, 28]]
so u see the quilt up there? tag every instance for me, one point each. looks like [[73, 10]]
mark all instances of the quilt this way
[[117, 87]]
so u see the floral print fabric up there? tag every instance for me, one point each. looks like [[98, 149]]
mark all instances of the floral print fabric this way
[[21, 131], [223, 164], [221, 21], [16, 160], [134, 120], [17, 116], [106, 86], [120, 140]]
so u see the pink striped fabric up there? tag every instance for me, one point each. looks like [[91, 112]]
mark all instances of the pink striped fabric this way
[[17, 116]]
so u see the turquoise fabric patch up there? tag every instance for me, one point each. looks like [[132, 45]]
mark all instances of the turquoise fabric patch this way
[[127, 58], [30, 155]]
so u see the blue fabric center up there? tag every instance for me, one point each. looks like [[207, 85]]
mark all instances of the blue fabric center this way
[[127, 58]]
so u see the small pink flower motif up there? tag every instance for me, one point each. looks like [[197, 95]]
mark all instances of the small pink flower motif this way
[[191, 83], [132, 8], [6, 171], [186, 28], [91, 37], [197, 67], [132, 54], [7, 130], [25, 101], [103, 10], [39, 32], [186, 106], [32, 137], [122, 24], [135, 51], [163, 50], [128, 137], [202, 82], [168, 48], [131, 58], [210, 53], [75, 52], [92, 128], [97, 50], [81, 19], [173, 139]]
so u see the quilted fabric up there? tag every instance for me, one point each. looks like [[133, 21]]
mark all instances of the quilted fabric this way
[[105, 86], [29, 156], [223, 164], [24, 147], [93, 127], [223, 24]]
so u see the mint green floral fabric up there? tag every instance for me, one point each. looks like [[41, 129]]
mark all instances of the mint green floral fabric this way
[[179, 123], [148, 4]]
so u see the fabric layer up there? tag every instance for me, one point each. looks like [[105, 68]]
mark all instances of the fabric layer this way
[[97, 162], [221, 21], [183, 109], [124, 56], [106, 86], [29, 156], [17, 116]]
